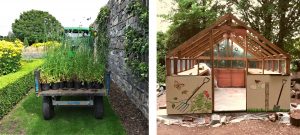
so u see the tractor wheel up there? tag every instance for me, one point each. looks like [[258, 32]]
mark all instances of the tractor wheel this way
[[48, 108], [98, 107]]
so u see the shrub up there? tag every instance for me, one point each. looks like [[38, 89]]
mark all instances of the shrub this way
[[15, 85], [46, 44], [10, 56]]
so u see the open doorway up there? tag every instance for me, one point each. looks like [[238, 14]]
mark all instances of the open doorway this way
[[229, 74]]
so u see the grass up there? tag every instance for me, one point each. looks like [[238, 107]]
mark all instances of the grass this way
[[27, 118], [27, 66]]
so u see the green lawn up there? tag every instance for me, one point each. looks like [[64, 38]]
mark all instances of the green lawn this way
[[27, 118]]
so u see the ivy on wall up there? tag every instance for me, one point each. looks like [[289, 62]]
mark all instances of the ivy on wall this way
[[136, 40], [101, 34]]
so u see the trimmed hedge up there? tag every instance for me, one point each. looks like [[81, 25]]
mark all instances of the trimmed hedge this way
[[10, 56], [15, 85]]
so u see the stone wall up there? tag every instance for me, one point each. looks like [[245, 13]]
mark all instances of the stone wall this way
[[120, 74]]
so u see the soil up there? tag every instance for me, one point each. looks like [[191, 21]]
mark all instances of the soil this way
[[131, 117], [250, 127]]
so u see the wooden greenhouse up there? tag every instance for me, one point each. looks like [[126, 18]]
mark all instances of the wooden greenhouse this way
[[228, 56]]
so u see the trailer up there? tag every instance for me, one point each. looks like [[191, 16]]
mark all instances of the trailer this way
[[53, 98]]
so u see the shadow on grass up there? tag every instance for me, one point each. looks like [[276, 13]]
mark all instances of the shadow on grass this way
[[67, 120]]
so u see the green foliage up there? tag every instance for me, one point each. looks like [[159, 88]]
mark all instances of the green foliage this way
[[137, 9], [10, 56], [15, 85], [161, 53], [102, 39], [278, 20], [136, 41], [26, 42], [37, 26], [136, 49], [46, 44], [161, 73], [71, 61], [191, 17], [201, 103]]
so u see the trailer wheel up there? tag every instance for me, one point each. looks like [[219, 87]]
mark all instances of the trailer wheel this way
[[98, 107], [48, 108]]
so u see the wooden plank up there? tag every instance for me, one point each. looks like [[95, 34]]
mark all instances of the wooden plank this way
[[253, 52], [168, 66], [263, 66], [211, 44], [197, 48], [175, 66], [287, 65], [199, 43], [205, 48], [265, 47], [186, 65], [74, 92], [246, 61], [198, 35]]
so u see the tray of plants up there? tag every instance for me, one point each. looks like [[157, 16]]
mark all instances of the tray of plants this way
[[72, 69]]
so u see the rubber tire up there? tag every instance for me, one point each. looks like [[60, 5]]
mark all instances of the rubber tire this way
[[98, 107], [48, 108]]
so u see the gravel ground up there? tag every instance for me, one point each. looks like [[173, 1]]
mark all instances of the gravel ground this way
[[250, 127], [132, 119]]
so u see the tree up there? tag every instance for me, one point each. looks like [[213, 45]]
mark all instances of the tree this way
[[191, 17], [277, 20], [161, 53], [38, 26]]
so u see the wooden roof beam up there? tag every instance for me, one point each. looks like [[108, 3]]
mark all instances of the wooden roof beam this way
[[200, 34], [259, 36], [184, 52]]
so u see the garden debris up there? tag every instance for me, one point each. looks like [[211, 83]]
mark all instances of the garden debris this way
[[223, 120], [215, 118], [283, 117], [217, 125], [250, 117], [169, 120], [200, 121], [272, 117], [188, 118]]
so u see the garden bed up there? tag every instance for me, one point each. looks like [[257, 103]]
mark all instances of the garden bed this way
[[131, 117]]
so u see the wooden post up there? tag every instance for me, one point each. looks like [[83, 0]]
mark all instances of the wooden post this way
[[212, 67], [246, 53], [168, 66], [280, 66], [273, 65], [175, 66], [197, 67], [287, 65], [180, 65], [263, 66], [185, 63]]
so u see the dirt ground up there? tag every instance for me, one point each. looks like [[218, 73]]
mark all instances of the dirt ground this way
[[132, 119], [250, 127]]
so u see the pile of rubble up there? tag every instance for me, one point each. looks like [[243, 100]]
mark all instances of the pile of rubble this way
[[216, 120]]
